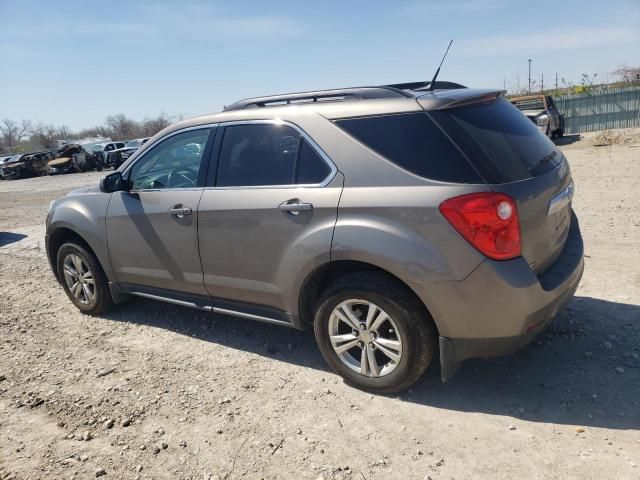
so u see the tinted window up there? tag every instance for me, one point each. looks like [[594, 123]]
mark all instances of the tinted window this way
[[267, 154], [311, 169], [503, 143], [174, 163], [413, 142]]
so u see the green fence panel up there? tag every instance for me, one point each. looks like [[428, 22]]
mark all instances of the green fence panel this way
[[600, 110]]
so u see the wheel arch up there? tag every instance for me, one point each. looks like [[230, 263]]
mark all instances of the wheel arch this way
[[321, 277], [58, 237]]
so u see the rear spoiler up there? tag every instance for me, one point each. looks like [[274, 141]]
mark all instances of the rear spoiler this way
[[448, 100]]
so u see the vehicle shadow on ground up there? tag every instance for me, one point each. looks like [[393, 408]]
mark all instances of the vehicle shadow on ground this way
[[567, 139], [568, 376], [9, 237]]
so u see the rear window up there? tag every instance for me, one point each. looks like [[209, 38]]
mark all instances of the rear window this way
[[413, 142], [504, 145]]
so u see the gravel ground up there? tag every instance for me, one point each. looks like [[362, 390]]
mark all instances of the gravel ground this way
[[153, 390]]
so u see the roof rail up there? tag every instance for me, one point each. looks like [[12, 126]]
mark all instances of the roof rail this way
[[338, 95]]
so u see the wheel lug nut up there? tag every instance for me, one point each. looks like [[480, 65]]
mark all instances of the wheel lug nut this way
[[362, 326], [361, 344], [356, 333]]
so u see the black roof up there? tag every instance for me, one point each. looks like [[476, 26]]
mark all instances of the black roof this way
[[398, 90]]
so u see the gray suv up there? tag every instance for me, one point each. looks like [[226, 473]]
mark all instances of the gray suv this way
[[396, 221]]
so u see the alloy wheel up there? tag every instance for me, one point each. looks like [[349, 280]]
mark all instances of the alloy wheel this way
[[365, 338], [79, 278]]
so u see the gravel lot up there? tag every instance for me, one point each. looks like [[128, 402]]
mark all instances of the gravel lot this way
[[153, 390]]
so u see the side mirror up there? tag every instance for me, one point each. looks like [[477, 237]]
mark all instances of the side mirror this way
[[113, 182]]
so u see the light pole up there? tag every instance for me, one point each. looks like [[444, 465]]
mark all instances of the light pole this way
[[529, 76]]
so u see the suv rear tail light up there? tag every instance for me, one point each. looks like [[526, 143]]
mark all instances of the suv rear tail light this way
[[488, 221]]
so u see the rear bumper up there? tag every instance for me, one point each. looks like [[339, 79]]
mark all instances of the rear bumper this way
[[502, 306]]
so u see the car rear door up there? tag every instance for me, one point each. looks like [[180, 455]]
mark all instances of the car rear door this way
[[152, 228], [266, 218]]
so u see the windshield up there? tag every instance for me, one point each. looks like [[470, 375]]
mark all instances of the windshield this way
[[132, 143], [503, 144], [97, 148]]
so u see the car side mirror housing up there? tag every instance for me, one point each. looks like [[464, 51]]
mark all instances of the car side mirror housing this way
[[113, 182]]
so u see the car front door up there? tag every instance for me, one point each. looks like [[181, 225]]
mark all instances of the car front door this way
[[152, 228], [266, 217]]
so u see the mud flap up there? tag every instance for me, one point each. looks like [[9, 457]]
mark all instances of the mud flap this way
[[448, 363], [117, 294]]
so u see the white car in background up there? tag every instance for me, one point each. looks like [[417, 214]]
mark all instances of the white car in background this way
[[103, 149], [117, 157]]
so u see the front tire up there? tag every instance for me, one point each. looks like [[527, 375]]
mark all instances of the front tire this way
[[374, 333], [83, 279]]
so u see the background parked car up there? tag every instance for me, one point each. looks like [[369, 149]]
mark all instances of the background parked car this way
[[542, 110], [102, 150], [117, 157], [26, 165], [4, 160], [73, 158]]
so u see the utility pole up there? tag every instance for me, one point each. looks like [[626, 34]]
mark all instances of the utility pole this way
[[556, 83], [529, 76], [542, 83]]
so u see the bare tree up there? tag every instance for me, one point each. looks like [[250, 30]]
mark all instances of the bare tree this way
[[627, 74], [99, 131], [151, 126], [122, 127], [13, 132], [44, 135], [117, 127], [63, 132]]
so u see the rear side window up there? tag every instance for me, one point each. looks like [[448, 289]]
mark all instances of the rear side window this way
[[311, 168], [502, 142], [268, 155], [413, 142]]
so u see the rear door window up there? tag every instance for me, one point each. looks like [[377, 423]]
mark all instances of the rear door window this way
[[268, 155], [503, 143], [415, 143]]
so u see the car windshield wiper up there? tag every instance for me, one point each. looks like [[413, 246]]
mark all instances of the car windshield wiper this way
[[542, 161]]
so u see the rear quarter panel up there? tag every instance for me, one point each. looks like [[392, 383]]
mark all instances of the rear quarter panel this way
[[401, 230]]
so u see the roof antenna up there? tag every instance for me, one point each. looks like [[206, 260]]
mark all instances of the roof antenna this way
[[433, 81]]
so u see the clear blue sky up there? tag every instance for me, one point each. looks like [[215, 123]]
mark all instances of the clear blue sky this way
[[75, 62]]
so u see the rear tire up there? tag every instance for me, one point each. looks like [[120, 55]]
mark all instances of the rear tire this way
[[83, 279], [408, 334]]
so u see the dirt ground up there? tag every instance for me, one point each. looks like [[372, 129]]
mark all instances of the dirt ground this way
[[152, 390]]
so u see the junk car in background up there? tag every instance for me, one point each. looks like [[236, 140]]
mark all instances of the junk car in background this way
[[541, 110], [74, 158], [26, 165]]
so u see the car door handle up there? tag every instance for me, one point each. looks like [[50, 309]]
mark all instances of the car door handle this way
[[295, 206], [180, 211]]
